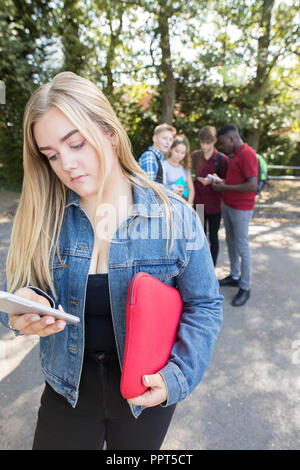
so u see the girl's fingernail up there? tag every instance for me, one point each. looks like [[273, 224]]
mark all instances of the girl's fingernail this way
[[60, 308], [49, 321], [35, 318], [60, 325], [146, 379]]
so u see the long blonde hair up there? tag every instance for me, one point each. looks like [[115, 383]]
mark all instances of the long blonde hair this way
[[39, 217]]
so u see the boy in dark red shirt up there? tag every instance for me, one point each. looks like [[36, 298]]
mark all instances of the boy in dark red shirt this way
[[209, 161], [239, 190]]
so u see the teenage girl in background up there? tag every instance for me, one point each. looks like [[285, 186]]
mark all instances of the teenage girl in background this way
[[178, 169]]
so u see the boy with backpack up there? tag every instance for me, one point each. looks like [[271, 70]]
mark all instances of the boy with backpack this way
[[151, 160], [208, 161]]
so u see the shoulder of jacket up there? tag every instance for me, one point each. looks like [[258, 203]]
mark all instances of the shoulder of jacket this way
[[178, 203]]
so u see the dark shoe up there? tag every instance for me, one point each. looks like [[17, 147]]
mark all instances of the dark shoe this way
[[229, 281], [241, 297]]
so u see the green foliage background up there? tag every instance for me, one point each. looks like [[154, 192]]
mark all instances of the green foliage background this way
[[224, 61]]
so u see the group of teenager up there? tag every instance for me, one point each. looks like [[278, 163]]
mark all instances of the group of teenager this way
[[225, 183]]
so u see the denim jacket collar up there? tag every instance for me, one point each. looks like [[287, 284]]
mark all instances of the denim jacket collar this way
[[145, 202]]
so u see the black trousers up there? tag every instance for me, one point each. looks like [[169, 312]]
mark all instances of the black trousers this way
[[212, 225], [101, 415]]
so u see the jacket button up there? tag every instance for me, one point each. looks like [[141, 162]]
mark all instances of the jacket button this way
[[74, 302]]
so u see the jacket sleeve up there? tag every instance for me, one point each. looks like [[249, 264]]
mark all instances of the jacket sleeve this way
[[200, 322]]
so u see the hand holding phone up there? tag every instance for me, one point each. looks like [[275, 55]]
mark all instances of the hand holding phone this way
[[204, 181], [215, 178], [30, 313]]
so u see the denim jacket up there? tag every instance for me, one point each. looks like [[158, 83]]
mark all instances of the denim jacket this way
[[139, 244]]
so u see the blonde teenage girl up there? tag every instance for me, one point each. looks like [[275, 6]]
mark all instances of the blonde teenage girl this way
[[89, 219]]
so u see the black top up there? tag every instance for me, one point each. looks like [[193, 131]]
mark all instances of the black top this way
[[99, 333]]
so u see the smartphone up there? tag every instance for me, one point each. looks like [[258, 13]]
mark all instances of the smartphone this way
[[213, 177], [13, 304]]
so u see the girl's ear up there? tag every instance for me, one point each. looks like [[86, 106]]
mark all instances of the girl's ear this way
[[113, 138]]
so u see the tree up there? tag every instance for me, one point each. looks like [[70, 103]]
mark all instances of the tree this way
[[253, 38], [165, 71], [71, 23], [242, 67], [110, 39], [24, 37], [164, 14]]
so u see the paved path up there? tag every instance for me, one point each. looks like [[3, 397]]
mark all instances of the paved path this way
[[248, 398]]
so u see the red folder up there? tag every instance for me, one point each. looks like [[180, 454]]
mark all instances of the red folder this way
[[153, 313]]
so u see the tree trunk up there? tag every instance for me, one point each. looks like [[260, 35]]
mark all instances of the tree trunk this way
[[168, 83], [114, 41], [263, 66], [253, 138], [75, 52]]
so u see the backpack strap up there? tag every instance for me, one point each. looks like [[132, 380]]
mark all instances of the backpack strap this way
[[196, 156], [159, 175], [160, 171], [218, 164]]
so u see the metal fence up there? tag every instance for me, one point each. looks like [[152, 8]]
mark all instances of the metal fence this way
[[284, 177]]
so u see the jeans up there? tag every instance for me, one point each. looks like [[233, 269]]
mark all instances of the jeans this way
[[101, 415], [236, 223]]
